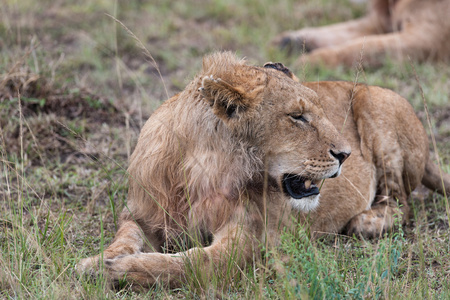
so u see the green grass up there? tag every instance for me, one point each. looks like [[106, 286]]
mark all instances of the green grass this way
[[62, 178]]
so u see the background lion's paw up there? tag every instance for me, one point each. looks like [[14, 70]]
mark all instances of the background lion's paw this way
[[291, 42]]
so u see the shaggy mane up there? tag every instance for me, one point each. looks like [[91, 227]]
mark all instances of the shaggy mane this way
[[188, 168], [220, 63]]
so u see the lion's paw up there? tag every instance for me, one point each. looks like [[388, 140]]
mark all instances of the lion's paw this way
[[292, 41], [371, 223], [88, 266], [115, 268], [130, 269]]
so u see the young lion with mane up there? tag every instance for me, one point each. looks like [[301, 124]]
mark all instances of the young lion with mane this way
[[222, 167]]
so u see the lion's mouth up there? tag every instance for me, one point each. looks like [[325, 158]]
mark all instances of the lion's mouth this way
[[299, 187]]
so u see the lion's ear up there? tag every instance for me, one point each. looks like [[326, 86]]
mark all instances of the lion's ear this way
[[280, 67], [226, 100]]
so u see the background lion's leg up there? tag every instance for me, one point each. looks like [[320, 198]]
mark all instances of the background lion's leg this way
[[232, 246], [373, 49], [308, 39]]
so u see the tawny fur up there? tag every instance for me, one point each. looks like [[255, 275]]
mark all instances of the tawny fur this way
[[399, 29], [206, 174]]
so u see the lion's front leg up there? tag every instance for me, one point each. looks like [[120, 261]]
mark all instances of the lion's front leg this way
[[128, 240], [231, 249]]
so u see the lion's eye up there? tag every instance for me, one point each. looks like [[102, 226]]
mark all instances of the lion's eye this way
[[298, 117]]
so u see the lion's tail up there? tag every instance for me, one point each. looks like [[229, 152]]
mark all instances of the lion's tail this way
[[436, 180]]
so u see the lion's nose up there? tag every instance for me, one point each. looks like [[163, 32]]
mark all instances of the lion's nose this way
[[340, 156]]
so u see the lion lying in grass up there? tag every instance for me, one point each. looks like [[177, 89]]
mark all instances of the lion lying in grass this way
[[399, 28], [222, 167]]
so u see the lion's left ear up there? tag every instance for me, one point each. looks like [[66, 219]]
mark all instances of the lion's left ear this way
[[226, 100], [280, 67]]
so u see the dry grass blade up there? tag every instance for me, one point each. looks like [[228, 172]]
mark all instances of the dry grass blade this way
[[144, 49]]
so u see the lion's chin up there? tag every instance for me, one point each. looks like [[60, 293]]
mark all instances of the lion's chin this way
[[305, 204]]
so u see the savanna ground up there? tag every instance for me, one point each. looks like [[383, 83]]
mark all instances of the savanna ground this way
[[75, 88]]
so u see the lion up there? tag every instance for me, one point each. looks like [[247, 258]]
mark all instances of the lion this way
[[399, 29], [243, 153]]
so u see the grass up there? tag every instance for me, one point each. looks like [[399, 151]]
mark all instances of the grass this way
[[86, 88]]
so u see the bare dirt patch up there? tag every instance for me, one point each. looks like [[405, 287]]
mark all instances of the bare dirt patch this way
[[51, 121]]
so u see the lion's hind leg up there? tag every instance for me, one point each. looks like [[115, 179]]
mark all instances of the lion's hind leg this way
[[390, 204], [389, 207], [397, 154]]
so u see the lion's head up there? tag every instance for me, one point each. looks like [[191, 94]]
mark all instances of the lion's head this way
[[267, 108]]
